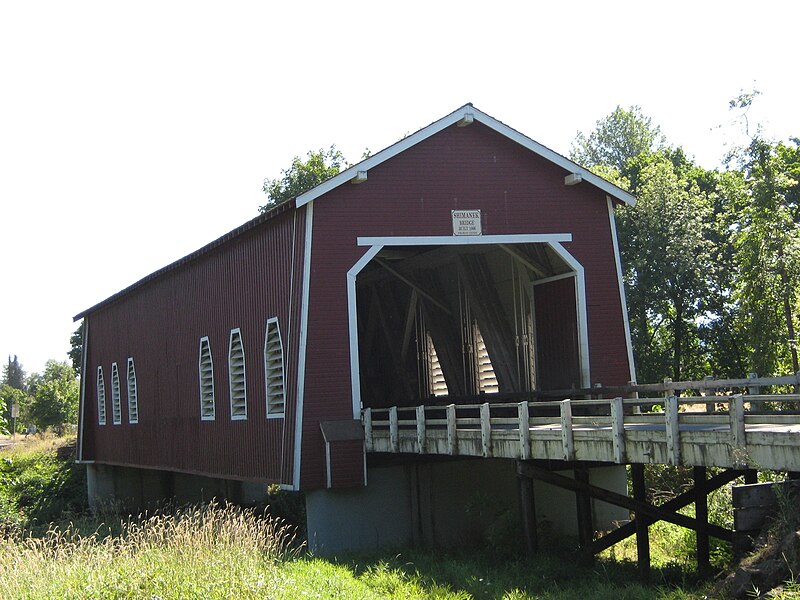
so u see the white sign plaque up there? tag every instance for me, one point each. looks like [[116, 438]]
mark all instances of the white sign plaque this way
[[466, 222]]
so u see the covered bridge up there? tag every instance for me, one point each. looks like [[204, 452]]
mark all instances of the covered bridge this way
[[465, 261]]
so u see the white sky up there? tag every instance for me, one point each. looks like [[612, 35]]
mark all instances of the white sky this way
[[132, 133]]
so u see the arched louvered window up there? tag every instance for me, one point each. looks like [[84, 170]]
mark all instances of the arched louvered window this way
[[133, 393], [237, 376], [101, 397], [206, 369], [116, 403], [273, 369]]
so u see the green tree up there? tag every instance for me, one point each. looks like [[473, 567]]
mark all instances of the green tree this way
[[667, 256], [616, 139], [54, 397], [301, 176], [767, 242], [13, 374], [76, 349], [8, 397]]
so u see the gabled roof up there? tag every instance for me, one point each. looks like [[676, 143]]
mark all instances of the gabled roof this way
[[467, 114]]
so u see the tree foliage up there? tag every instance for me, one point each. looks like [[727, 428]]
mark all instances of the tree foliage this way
[[76, 349], [621, 136], [54, 397], [711, 259], [302, 175]]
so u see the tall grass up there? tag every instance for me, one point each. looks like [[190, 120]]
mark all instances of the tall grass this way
[[202, 552]]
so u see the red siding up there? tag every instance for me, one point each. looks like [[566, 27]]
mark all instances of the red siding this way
[[240, 284], [412, 194]]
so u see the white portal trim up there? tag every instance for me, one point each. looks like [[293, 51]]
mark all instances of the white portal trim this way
[[352, 322], [580, 303], [301, 359], [623, 302], [466, 240], [468, 111], [378, 243], [536, 282]]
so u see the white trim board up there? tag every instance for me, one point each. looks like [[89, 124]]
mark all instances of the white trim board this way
[[301, 360], [466, 240], [468, 110], [623, 302]]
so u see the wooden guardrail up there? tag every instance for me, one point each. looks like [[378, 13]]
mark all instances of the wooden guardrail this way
[[736, 438]]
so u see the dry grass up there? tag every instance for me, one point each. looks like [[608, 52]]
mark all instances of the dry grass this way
[[209, 552]]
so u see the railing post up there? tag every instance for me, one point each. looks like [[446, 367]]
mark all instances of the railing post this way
[[421, 429], [673, 431], [567, 440], [368, 429], [708, 391], [753, 390], [523, 412], [486, 430], [452, 435], [618, 429], [738, 439], [394, 437]]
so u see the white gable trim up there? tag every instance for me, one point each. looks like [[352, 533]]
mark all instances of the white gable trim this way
[[465, 112]]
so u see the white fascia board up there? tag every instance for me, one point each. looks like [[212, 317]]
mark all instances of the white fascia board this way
[[384, 155], [302, 348], [454, 117], [466, 240], [581, 304], [554, 157], [622, 299], [352, 313]]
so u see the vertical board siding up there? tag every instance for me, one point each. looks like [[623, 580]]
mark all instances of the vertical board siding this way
[[238, 285], [412, 194]]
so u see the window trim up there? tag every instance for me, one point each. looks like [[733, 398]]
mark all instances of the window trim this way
[[274, 326], [133, 393], [236, 334], [206, 415], [101, 396], [116, 393]]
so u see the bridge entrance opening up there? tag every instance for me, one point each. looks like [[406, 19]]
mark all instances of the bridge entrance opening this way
[[455, 323]]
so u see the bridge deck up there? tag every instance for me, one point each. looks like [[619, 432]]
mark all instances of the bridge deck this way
[[736, 438]]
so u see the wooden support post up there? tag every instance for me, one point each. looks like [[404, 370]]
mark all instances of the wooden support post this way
[[583, 503], [523, 412], [707, 391], [673, 431], [753, 390], [567, 441], [421, 429], [750, 476], [452, 435], [394, 437], [642, 536], [486, 430], [618, 429], [701, 514], [528, 510], [368, 429], [738, 440]]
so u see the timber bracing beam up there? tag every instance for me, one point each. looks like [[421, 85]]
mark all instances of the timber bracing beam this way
[[653, 513]]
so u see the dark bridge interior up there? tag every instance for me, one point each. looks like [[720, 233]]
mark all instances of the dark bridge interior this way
[[440, 324]]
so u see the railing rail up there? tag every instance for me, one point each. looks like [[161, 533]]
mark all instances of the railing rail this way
[[476, 429]]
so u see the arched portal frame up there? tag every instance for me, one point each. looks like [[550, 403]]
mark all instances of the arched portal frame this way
[[376, 244]]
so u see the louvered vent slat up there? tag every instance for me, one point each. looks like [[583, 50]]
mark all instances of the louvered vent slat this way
[[116, 402], [435, 375], [237, 376], [273, 369], [487, 380], [133, 393], [101, 397], [206, 369]]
